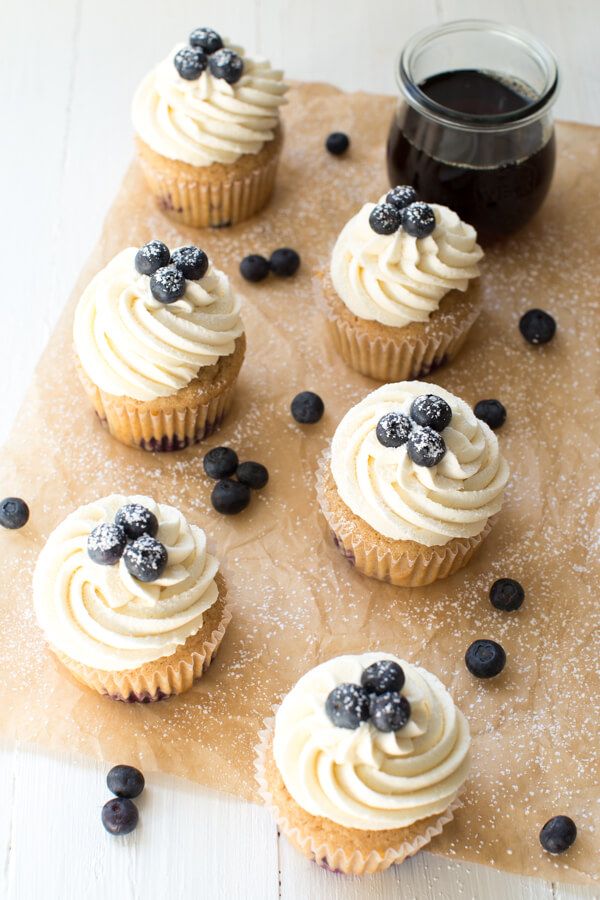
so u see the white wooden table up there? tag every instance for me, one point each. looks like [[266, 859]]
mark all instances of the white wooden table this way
[[67, 72]]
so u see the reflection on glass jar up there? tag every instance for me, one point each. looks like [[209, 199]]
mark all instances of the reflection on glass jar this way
[[473, 128]]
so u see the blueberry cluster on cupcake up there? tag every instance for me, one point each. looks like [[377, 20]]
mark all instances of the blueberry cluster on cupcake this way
[[208, 131], [402, 293], [129, 598], [159, 342], [412, 484], [364, 761]]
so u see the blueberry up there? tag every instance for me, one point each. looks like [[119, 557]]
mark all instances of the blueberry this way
[[284, 262], [484, 659], [347, 705], [507, 594], [167, 284], [145, 558], [152, 256], [402, 195], [125, 781], [558, 834], [384, 219], [220, 462], [227, 65], [431, 410], [191, 262], [393, 429], [120, 815], [337, 143], [253, 474], [492, 412], [106, 543], [425, 447], [389, 711], [307, 408], [190, 62], [14, 512], [136, 520], [418, 219], [254, 267], [383, 676], [206, 39], [230, 497], [537, 326]]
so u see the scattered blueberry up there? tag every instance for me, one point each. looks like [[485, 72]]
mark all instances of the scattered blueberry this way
[[220, 462], [167, 284], [537, 326], [136, 520], [14, 512], [125, 781], [347, 705], [191, 262], [393, 429], [254, 474], [507, 594], [402, 195], [492, 412], [418, 219], [307, 408], [425, 447], [145, 558], [431, 410], [152, 256], [190, 62], [383, 676], [389, 711], [558, 834], [337, 143], [230, 497], [206, 39], [284, 262], [484, 659], [120, 815], [254, 267], [385, 219], [106, 544], [226, 64]]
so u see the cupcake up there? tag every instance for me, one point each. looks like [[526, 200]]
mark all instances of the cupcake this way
[[129, 599], [412, 483], [364, 762], [159, 344], [401, 294], [208, 131]]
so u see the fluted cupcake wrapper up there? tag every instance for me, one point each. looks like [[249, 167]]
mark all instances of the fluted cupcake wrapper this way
[[160, 426], [402, 360], [154, 681], [398, 562], [347, 859], [215, 200]]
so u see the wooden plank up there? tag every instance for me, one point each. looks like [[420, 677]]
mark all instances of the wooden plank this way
[[189, 841]]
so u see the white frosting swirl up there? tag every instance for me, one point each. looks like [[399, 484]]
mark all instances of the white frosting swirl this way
[[101, 616], [131, 345], [207, 120], [365, 778], [406, 502], [396, 279]]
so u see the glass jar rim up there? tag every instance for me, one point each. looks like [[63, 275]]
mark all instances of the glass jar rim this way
[[500, 121]]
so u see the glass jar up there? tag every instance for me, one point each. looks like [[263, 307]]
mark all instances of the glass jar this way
[[473, 128]]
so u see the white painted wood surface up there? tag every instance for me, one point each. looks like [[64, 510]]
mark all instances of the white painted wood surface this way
[[67, 71]]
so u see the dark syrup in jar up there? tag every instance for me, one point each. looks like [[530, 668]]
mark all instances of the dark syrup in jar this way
[[495, 180]]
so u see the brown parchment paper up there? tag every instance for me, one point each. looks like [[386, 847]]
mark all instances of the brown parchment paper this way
[[295, 600]]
